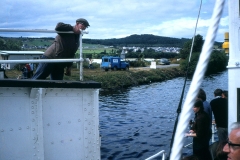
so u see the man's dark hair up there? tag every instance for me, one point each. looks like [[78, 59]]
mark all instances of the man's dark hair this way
[[225, 93], [202, 95], [218, 92], [199, 103]]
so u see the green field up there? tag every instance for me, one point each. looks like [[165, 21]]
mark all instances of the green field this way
[[98, 50], [87, 48]]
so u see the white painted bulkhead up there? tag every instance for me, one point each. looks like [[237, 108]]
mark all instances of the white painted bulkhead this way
[[49, 123], [234, 62]]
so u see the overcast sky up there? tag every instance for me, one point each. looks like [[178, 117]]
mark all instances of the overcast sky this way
[[113, 18]]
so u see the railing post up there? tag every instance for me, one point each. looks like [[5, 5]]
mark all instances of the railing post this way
[[213, 131], [80, 57], [80, 54]]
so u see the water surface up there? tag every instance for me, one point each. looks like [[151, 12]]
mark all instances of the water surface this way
[[136, 123]]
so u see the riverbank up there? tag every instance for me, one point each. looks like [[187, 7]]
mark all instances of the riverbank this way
[[112, 80]]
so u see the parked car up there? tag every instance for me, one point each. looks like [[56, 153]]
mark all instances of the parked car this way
[[114, 63], [164, 61]]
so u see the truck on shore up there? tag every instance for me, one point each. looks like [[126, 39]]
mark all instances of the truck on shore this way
[[114, 63]]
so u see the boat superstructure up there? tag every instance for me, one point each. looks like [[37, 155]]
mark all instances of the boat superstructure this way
[[59, 119], [49, 119]]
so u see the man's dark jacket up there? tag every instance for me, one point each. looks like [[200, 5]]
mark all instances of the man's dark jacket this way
[[220, 111], [65, 44]]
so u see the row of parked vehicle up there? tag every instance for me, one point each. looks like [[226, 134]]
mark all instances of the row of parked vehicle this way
[[116, 63]]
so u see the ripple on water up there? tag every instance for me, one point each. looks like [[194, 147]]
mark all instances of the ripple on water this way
[[137, 123]]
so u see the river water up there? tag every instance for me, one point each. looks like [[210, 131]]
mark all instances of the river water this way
[[136, 123]]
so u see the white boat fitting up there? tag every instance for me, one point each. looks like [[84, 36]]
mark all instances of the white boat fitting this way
[[47, 119]]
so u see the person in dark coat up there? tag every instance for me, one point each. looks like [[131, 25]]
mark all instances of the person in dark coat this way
[[64, 47], [200, 132], [219, 107], [206, 105]]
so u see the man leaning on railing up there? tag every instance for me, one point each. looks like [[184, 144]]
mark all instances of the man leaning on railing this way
[[64, 46]]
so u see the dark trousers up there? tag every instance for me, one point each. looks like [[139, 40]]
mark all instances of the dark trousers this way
[[201, 149], [55, 70]]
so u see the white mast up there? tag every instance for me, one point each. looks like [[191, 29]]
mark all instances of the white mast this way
[[234, 62]]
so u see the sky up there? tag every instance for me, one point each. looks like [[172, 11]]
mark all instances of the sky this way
[[113, 18]]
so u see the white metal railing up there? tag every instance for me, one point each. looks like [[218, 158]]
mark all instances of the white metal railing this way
[[213, 132], [158, 154], [49, 60]]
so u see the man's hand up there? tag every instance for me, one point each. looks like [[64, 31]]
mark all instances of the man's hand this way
[[68, 71]]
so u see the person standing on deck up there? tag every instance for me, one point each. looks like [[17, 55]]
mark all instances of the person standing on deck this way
[[207, 108], [64, 47], [200, 132], [225, 94], [31, 70], [219, 107]]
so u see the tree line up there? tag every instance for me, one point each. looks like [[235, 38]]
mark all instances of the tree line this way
[[10, 44], [144, 40], [217, 63]]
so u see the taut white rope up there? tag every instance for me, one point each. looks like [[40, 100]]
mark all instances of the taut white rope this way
[[196, 81]]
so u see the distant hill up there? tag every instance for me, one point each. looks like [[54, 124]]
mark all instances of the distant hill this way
[[144, 40], [147, 40]]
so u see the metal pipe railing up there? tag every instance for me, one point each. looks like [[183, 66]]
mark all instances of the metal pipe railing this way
[[49, 60], [36, 30], [42, 60], [158, 154]]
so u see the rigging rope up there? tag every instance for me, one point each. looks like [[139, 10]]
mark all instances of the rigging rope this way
[[197, 80], [183, 89]]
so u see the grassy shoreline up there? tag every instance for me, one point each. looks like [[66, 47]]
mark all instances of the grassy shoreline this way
[[113, 80]]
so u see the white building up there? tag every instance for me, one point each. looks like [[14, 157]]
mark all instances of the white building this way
[[19, 55]]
